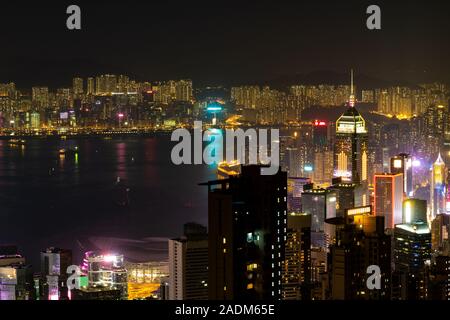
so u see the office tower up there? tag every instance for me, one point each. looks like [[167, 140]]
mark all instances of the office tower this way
[[350, 150], [437, 188], [402, 163], [54, 264], [439, 233], [323, 167], [90, 86], [77, 87], [412, 249], [247, 221], [388, 198], [320, 204], [361, 242], [107, 271], [188, 264], [320, 135], [414, 210], [345, 196], [40, 98], [296, 281], [294, 165], [294, 193]]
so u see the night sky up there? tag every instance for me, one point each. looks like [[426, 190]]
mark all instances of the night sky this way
[[222, 42]]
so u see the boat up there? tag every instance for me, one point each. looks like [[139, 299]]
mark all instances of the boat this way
[[71, 150]]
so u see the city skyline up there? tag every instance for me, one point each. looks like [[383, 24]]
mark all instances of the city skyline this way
[[303, 150]]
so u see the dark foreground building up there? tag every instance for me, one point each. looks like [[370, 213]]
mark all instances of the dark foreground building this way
[[247, 217]]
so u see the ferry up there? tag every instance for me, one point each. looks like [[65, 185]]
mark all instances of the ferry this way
[[227, 169]]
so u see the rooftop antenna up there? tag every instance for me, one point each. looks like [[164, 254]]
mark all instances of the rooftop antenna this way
[[352, 93]]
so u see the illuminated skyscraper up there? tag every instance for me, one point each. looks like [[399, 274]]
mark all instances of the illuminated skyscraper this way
[[437, 188], [247, 222], [54, 264], [350, 153], [294, 193], [321, 205], [40, 99], [297, 264], [90, 85], [247, 96], [323, 167], [414, 210], [77, 86], [183, 90], [412, 248], [388, 198], [402, 163], [106, 84]]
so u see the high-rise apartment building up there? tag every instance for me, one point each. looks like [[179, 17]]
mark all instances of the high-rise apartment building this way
[[188, 265], [247, 218]]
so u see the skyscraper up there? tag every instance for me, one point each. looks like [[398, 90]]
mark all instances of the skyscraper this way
[[412, 248], [77, 86], [320, 204], [90, 85], [437, 188], [439, 232], [294, 193], [297, 265], [402, 163], [247, 222], [360, 243], [54, 264], [40, 99], [188, 265], [414, 210], [388, 198], [350, 153]]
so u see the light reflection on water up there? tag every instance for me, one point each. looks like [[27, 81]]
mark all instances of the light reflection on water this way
[[49, 199]]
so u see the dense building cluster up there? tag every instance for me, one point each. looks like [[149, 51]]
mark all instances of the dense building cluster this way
[[104, 101], [362, 192]]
